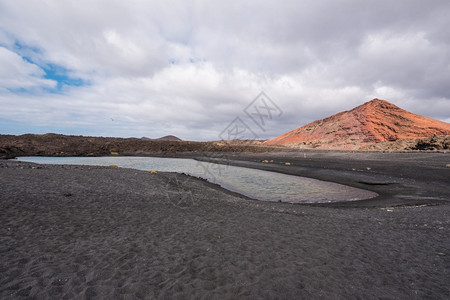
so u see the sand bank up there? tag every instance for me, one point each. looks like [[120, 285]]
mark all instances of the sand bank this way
[[99, 232]]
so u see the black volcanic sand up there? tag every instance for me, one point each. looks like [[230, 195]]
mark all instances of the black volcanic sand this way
[[99, 232]]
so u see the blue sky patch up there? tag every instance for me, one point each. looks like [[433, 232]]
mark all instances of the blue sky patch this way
[[61, 75], [52, 71]]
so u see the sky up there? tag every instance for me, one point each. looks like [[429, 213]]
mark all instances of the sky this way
[[205, 70]]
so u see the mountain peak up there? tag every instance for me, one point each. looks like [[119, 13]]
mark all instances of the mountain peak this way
[[370, 123], [379, 103]]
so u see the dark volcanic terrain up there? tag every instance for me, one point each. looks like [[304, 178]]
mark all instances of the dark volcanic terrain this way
[[63, 145]]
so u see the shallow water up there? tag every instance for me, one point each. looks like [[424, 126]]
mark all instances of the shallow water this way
[[257, 184]]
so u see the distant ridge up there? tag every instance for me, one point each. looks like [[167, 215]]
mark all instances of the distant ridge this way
[[168, 138], [370, 123], [164, 138]]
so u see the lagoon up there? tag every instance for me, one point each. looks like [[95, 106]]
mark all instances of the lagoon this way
[[253, 183]]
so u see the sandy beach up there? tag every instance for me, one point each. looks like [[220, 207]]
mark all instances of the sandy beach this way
[[111, 233]]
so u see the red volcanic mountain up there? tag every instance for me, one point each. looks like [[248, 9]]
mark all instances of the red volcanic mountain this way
[[373, 122]]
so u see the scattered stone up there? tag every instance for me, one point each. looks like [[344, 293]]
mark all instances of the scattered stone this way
[[60, 281]]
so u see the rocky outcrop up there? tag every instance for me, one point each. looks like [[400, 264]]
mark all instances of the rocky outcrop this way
[[376, 121]]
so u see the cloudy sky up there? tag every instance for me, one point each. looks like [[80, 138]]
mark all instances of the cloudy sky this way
[[190, 68]]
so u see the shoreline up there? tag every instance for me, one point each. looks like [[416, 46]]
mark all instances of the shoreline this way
[[400, 179], [353, 194]]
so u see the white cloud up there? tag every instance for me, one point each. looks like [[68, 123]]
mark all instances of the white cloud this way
[[16, 73], [190, 67]]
